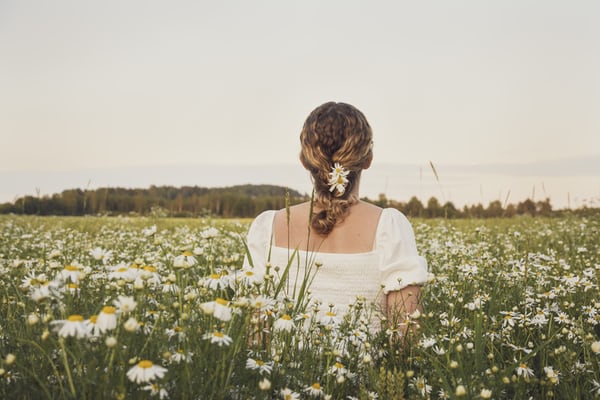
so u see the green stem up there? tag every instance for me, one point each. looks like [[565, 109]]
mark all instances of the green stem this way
[[67, 368]]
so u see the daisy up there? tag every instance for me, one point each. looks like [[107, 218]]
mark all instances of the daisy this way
[[218, 308], [338, 369], [330, 318], [288, 394], [71, 272], [125, 304], [524, 370], [100, 254], [421, 385], [261, 366], [145, 371], [209, 233], [219, 338], [180, 356], [314, 390], [72, 326], [131, 325], [107, 319], [285, 323], [92, 326], [262, 303], [170, 287], [215, 281], [249, 277], [185, 260], [156, 389]]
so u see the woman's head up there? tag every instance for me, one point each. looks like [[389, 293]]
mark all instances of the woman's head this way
[[335, 133]]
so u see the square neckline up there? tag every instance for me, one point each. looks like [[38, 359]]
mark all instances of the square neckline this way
[[325, 253]]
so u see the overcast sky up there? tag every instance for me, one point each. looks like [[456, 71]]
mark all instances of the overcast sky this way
[[98, 84]]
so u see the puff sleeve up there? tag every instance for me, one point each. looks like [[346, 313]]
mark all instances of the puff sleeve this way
[[259, 241], [400, 264]]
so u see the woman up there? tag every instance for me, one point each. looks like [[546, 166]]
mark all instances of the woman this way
[[358, 249]]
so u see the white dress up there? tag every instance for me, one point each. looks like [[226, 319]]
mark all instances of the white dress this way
[[392, 264]]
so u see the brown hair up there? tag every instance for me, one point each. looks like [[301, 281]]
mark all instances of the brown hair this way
[[334, 133]]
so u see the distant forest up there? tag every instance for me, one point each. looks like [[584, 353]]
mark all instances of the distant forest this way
[[243, 201]]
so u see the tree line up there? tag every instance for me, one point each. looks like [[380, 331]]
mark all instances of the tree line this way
[[243, 201]]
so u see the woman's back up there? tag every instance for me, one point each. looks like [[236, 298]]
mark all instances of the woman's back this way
[[355, 234]]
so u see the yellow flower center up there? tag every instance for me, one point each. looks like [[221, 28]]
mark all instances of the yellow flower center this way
[[221, 301], [122, 269], [330, 314], [215, 276], [339, 365], [340, 180], [109, 310], [134, 266], [93, 319], [75, 318], [187, 254], [145, 364], [71, 268], [178, 329], [316, 386], [73, 286], [286, 317], [260, 362], [218, 334], [249, 273], [149, 268]]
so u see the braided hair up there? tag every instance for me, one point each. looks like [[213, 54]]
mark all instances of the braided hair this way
[[334, 133]]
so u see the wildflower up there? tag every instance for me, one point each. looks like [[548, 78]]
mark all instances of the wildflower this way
[[427, 342], [460, 391], [149, 231], [338, 369], [72, 326], [156, 389], [71, 272], [421, 385], [249, 277], [99, 254], [314, 390], [285, 323], [145, 371], [209, 233], [288, 394], [185, 260], [125, 304], [596, 347], [219, 338], [107, 319], [32, 319], [262, 303], [110, 342], [218, 308], [524, 370], [551, 374], [259, 365], [264, 384], [131, 325], [485, 393], [337, 179], [180, 356], [330, 318], [10, 358]]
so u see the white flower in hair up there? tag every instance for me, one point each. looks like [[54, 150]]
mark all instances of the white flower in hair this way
[[337, 178]]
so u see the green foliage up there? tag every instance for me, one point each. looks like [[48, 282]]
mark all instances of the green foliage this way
[[242, 201]]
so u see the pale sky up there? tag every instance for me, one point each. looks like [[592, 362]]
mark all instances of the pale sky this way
[[106, 84]]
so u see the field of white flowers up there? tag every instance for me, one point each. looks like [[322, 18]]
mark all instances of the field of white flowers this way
[[130, 308]]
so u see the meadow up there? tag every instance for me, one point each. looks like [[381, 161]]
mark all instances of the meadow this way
[[128, 308]]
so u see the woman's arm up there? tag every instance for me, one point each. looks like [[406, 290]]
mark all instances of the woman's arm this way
[[401, 305]]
